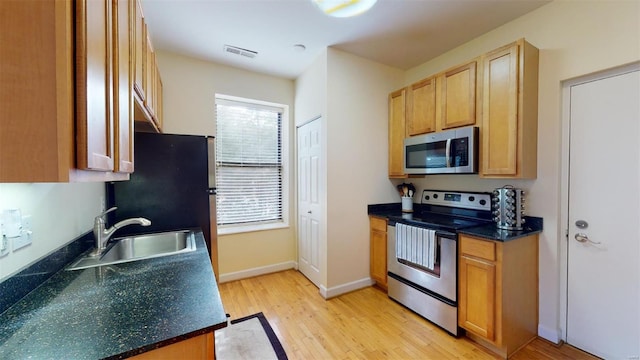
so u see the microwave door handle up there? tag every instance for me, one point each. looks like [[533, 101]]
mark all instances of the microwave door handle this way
[[448, 152]]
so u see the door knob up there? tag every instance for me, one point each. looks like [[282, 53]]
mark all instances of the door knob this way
[[309, 212], [583, 238]]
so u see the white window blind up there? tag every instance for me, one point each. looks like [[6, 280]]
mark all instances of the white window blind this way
[[249, 168]]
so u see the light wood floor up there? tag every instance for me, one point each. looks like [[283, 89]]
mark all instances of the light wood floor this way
[[363, 324]]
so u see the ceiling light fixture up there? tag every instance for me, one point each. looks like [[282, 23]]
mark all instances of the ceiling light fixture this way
[[344, 8]]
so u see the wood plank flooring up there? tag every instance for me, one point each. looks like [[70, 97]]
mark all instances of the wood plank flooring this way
[[363, 324]]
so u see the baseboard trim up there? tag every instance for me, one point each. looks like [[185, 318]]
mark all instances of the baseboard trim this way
[[549, 334], [328, 293], [262, 270]]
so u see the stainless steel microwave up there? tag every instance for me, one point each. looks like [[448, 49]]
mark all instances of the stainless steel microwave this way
[[447, 152]]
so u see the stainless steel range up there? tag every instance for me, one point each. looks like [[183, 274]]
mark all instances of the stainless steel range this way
[[422, 253]]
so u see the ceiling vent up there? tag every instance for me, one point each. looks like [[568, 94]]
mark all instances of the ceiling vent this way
[[240, 51]]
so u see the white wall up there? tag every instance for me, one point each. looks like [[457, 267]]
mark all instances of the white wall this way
[[350, 94], [189, 88], [575, 38], [311, 103], [59, 214], [357, 157]]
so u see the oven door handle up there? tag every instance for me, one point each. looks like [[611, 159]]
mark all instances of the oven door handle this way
[[446, 234], [448, 152]]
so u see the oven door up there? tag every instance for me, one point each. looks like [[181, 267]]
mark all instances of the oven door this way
[[442, 280]]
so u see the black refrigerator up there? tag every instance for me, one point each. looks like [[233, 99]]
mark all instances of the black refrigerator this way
[[173, 185]]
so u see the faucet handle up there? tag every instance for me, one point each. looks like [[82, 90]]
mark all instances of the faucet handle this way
[[106, 212]]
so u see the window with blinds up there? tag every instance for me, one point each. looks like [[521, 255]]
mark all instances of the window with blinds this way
[[249, 162]]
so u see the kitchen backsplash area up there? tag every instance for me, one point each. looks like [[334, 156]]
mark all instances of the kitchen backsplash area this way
[[56, 213], [471, 183]]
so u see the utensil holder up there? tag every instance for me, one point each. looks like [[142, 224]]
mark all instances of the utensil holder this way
[[407, 204]]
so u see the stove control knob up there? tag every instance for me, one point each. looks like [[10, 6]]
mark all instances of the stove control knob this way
[[483, 202], [435, 196], [472, 198]]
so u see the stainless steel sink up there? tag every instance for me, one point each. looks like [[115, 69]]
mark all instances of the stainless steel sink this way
[[139, 247]]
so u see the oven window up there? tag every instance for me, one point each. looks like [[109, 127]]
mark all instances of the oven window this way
[[429, 155]]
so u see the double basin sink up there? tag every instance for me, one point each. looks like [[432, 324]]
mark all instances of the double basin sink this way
[[139, 247]]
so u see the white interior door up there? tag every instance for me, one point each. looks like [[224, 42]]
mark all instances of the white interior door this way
[[603, 279], [309, 207]]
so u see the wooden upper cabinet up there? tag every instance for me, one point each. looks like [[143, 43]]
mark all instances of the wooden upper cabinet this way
[[458, 96], [139, 44], [94, 66], [149, 76], [510, 112], [147, 84], [397, 108], [444, 101], [158, 94], [72, 65], [36, 142], [421, 109], [123, 72]]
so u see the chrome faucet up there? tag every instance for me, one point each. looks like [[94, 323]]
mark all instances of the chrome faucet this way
[[103, 235]]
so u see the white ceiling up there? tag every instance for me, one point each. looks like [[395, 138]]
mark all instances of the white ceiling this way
[[399, 33]]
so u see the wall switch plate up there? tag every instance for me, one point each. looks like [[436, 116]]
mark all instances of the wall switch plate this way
[[26, 234], [21, 241]]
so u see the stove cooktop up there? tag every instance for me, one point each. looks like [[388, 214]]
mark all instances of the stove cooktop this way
[[450, 210], [439, 221]]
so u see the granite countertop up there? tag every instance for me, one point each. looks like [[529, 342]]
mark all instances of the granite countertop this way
[[393, 212], [115, 311]]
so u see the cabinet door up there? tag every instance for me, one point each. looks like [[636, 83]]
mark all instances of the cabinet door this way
[[500, 112], [378, 252], [123, 21], [421, 114], [397, 106], [458, 99], [94, 117], [158, 94], [150, 75], [139, 44], [477, 301]]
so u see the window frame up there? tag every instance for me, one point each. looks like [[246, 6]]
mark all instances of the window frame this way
[[285, 147]]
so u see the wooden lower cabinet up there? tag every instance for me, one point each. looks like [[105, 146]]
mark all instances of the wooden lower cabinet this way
[[498, 292], [198, 347], [378, 260]]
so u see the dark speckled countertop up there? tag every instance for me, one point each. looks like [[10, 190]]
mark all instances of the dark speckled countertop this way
[[115, 311], [392, 212]]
